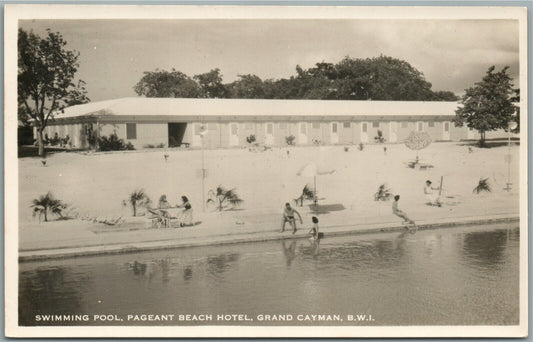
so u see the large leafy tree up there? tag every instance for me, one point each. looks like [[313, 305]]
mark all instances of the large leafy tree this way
[[487, 106], [162, 83], [211, 84], [247, 87], [46, 72]]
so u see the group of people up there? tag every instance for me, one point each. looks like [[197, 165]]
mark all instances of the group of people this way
[[185, 218], [289, 213]]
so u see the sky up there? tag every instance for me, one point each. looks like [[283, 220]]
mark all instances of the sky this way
[[452, 54]]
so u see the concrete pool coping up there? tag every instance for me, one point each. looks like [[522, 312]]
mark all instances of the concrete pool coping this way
[[261, 236]]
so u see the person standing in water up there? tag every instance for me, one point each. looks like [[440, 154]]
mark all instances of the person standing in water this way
[[314, 230], [396, 211]]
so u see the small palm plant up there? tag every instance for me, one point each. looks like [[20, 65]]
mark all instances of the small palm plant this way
[[307, 194], [47, 203], [483, 185], [383, 193], [223, 198], [137, 199]]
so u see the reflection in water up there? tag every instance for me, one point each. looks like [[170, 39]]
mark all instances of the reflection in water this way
[[51, 290], [423, 278], [289, 252], [486, 249]]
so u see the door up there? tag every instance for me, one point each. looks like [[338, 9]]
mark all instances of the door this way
[[446, 131], [233, 134], [393, 129], [269, 134], [364, 132], [334, 133], [176, 132], [302, 133]]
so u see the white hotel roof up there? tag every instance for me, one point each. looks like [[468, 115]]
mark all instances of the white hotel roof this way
[[142, 106]]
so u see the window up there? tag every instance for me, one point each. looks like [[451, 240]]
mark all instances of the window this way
[[131, 131], [346, 125], [375, 124], [405, 124], [431, 124], [303, 128], [234, 129], [446, 127], [282, 125], [420, 126], [364, 127], [270, 128], [334, 127], [316, 125]]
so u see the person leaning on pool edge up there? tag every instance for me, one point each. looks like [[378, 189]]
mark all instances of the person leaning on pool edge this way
[[288, 216]]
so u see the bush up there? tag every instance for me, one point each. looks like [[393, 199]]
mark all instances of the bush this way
[[113, 143], [483, 185], [290, 140], [47, 203], [307, 194], [223, 198], [250, 139], [379, 138], [383, 193], [137, 199]]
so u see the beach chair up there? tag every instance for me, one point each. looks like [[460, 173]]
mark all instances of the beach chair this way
[[159, 218]]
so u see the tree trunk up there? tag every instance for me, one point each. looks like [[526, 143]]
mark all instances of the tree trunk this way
[[45, 215], [40, 141], [482, 138], [134, 209]]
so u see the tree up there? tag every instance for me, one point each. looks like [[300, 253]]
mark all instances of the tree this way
[[516, 99], [247, 87], [137, 199], [211, 84], [487, 105], [45, 78], [224, 198], [47, 203], [173, 83]]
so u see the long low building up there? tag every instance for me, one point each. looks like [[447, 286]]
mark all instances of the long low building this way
[[224, 123]]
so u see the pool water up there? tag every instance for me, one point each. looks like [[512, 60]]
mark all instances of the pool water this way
[[457, 276]]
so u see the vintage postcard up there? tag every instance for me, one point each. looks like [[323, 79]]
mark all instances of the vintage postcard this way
[[265, 171]]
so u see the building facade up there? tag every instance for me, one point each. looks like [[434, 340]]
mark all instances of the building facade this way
[[226, 123]]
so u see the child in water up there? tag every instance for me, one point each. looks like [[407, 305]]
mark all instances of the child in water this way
[[314, 230]]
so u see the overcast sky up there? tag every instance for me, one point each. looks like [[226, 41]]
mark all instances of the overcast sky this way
[[452, 54]]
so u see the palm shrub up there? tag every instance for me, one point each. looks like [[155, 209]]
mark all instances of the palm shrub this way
[[483, 185], [361, 146], [383, 193], [379, 138], [137, 199], [290, 140], [223, 198], [307, 194], [47, 203], [250, 139]]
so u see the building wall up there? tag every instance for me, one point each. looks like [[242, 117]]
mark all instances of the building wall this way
[[219, 133]]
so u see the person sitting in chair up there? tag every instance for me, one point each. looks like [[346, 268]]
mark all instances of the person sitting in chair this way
[[431, 197], [186, 215]]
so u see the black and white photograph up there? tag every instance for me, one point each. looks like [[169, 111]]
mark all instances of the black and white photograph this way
[[265, 171]]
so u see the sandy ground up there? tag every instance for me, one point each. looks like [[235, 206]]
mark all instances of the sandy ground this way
[[96, 185]]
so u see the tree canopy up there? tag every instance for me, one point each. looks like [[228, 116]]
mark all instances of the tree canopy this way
[[379, 78], [45, 78], [488, 106]]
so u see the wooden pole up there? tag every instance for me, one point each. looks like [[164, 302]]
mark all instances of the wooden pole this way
[[440, 189]]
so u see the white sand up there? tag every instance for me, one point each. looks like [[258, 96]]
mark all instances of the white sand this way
[[97, 184]]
